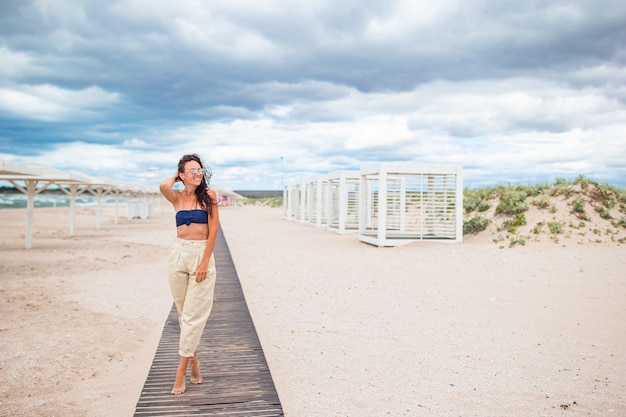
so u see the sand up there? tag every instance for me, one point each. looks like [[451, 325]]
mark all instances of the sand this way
[[348, 329], [81, 316]]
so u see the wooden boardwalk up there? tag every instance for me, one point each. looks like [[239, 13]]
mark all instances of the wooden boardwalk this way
[[236, 378]]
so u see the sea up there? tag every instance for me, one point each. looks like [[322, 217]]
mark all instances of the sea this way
[[15, 201]]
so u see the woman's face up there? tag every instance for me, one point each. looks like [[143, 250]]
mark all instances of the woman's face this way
[[192, 174]]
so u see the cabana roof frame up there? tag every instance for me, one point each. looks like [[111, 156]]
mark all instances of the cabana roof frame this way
[[32, 175]]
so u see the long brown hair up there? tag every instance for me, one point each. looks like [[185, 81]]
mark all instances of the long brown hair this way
[[204, 198]]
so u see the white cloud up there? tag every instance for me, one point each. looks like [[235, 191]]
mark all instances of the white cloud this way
[[383, 130], [14, 63], [405, 17], [47, 102], [134, 143], [504, 89], [29, 106]]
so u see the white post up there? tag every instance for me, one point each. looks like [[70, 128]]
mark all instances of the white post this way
[[117, 202], [343, 203], [431, 205], [403, 203], [30, 191], [363, 199], [73, 193], [31, 188], [302, 216], [459, 204], [382, 206], [318, 205], [98, 211]]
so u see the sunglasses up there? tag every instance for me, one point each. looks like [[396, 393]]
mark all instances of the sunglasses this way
[[194, 171]]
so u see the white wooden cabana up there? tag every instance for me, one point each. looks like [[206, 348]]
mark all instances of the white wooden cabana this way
[[343, 201], [8, 169], [315, 201], [293, 199], [138, 200], [406, 202], [287, 201], [32, 179], [128, 191], [97, 186]]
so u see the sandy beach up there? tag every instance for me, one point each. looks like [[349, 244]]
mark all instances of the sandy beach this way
[[348, 329]]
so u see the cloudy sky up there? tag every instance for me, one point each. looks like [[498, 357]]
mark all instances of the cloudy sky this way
[[267, 91]]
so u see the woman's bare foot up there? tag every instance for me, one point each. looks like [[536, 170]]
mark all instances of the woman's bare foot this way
[[181, 372], [179, 388], [196, 377]]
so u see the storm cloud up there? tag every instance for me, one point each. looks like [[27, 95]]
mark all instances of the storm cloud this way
[[269, 90]]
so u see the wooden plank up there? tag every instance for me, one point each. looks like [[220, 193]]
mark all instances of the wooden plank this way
[[236, 378]]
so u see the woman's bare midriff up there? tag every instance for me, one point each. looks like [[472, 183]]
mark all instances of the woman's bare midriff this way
[[195, 231]]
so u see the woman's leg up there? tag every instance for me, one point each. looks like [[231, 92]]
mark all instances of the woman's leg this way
[[196, 376], [179, 384], [194, 302], [196, 309], [181, 372], [178, 278]]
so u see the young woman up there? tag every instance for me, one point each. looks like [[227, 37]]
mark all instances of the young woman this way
[[191, 270]]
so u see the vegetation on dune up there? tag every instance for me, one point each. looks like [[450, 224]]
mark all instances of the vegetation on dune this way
[[595, 207], [264, 201]]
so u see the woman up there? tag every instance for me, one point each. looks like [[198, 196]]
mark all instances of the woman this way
[[191, 269]]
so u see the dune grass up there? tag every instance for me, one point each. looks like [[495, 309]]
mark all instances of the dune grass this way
[[509, 204]]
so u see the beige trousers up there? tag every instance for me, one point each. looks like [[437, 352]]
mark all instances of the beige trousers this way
[[193, 300]]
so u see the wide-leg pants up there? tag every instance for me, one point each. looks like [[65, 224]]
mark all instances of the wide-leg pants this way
[[193, 300]]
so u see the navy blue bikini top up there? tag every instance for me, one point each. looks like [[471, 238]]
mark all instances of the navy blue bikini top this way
[[191, 216]]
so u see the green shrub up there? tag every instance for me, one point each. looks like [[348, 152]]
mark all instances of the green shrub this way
[[608, 195], [564, 190], [538, 189], [483, 206], [579, 205], [556, 227], [477, 200], [517, 240], [604, 213], [512, 224], [542, 202], [470, 201], [474, 225], [583, 181], [512, 202]]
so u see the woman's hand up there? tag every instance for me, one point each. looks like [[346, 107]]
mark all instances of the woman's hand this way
[[202, 270], [167, 190]]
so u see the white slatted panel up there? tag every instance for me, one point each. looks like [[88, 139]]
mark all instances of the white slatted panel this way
[[352, 203], [343, 201], [416, 206], [315, 212]]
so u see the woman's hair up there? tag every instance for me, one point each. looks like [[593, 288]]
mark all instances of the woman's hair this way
[[204, 198]]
